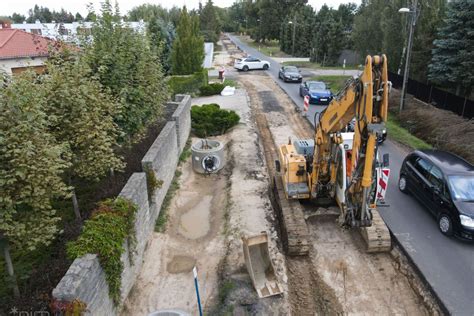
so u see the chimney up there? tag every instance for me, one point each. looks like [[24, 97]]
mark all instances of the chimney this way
[[5, 25]]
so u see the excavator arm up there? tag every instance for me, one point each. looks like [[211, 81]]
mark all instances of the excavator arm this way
[[366, 100]]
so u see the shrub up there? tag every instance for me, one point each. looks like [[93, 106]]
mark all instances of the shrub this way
[[211, 120], [187, 84], [104, 234], [442, 129], [212, 89]]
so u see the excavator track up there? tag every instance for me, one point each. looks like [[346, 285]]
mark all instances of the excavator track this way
[[377, 237], [293, 228]]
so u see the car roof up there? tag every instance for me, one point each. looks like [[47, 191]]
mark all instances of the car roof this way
[[448, 162]]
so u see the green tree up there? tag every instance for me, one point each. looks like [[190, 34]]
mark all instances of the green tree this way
[[44, 15], [380, 28], [302, 23], [81, 116], [270, 14], [31, 166], [235, 19], [125, 64], [453, 57], [209, 21], [18, 18], [78, 17], [91, 17], [161, 36], [329, 37], [188, 47], [367, 34], [431, 18], [147, 12]]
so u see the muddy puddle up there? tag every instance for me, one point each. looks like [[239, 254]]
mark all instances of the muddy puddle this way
[[195, 222], [180, 264]]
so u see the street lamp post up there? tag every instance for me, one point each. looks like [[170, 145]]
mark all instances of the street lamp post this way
[[293, 36], [259, 32], [414, 15]]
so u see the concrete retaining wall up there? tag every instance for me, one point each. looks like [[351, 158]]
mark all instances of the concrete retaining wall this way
[[162, 159], [182, 117], [85, 279]]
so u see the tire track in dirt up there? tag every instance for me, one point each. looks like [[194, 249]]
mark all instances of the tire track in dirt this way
[[308, 294]]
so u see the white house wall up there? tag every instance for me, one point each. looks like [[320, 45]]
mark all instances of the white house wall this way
[[6, 65]]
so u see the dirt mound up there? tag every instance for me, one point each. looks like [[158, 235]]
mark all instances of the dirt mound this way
[[443, 129]]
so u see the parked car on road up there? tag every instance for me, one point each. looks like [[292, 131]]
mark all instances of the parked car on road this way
[[317, 91], [251, 63], [290, 73], [444, 183]]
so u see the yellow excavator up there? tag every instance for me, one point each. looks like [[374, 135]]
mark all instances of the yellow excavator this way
[[344, 167]]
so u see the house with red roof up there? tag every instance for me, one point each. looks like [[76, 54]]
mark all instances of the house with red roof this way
[[20, 50]]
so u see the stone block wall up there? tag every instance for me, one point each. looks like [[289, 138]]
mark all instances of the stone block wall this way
[[136, 191], [85, 279], [182, 117], [162, 159]]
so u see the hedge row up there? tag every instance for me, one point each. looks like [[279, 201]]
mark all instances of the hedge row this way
[[211, 89], [187, 84]]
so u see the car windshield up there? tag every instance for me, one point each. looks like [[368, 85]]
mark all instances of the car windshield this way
[[291, 69], [317, 86], [462, 187]]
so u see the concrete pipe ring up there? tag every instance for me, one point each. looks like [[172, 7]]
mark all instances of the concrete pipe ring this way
[[207, 156]]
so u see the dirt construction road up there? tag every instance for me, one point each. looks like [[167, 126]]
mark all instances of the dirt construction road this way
[[209, 215], [338, 276]]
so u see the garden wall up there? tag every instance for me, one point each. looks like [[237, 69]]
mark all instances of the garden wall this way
[[85, 280]]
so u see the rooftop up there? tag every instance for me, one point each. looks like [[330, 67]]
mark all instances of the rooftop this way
[[18, 43]]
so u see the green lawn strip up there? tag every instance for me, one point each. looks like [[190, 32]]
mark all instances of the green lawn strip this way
[[269, 48], [336, 83], [231, 83], [401, 135]]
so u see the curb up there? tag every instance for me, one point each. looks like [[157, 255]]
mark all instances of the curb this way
[[418, 272]]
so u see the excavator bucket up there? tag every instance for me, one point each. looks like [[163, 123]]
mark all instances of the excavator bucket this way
[[259, 265]]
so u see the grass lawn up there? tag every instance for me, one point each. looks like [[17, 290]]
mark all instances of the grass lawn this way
[[401, 135], [269, 48], [308, 64], [336, 83]]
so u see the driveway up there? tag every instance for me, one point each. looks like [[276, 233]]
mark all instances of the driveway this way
[[447, 264]]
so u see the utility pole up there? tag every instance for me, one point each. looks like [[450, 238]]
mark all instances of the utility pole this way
[[293, 36], [414, 15], [259, 31]]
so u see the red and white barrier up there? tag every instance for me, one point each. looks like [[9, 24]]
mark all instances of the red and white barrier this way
[[382, 175], [306, 105]]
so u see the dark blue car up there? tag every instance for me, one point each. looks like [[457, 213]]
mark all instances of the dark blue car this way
[[317, 91]]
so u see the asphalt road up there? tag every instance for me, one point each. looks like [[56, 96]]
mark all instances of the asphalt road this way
[[447, 264]]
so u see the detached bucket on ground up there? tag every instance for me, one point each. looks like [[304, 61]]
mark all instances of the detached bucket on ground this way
[[208, 156], [259, 265]]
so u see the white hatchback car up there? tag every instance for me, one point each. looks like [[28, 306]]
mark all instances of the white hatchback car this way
[[250, 63]]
